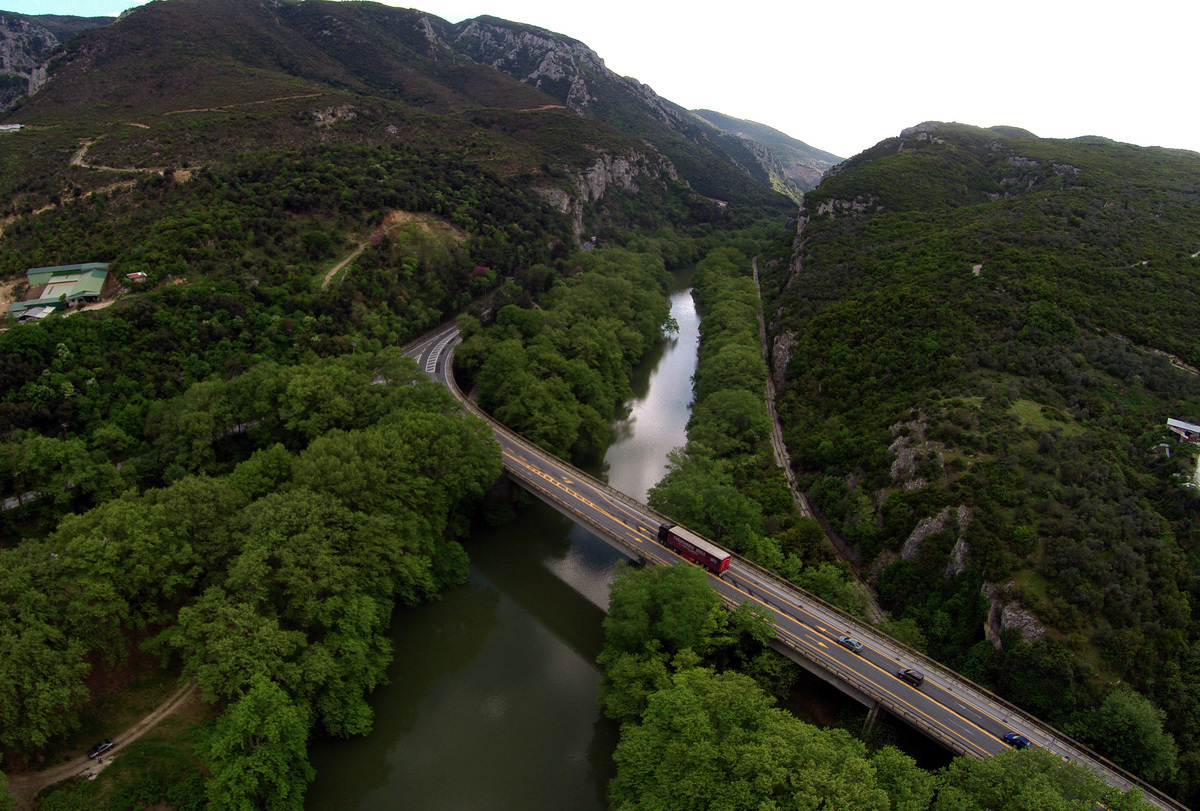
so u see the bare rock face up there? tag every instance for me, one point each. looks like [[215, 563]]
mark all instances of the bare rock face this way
[[552, 63], [781, 356], [23, 45], [332, 115], [911, 449], [925, 527], [924, 126], [24, 49], [958, 557], [608, 172], [559, 66], [835, 207], [798, 246], [1006, 615], [37, 78]]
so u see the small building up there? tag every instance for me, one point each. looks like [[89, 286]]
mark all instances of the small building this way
[[1184, 430], [62, 286], [37, 313], [136, 276], [11, 127]]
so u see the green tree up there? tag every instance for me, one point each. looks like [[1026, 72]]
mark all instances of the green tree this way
[[257, 752], [672, 607], [910, 787], [713, 741], [1027, 780], [1128, 728], [7, 800], [225, 643], [731, 421]]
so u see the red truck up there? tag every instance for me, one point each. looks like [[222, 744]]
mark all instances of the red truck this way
[[695, 548]]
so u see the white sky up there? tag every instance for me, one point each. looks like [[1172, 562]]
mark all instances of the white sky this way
[[844, 74]]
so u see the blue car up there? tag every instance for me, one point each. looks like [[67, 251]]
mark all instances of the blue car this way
[[1017, 740]]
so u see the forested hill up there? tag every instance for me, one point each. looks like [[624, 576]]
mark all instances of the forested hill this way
[[182, 57], [980, 340]]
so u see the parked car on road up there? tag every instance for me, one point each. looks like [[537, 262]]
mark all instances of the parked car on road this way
[[851, 643]]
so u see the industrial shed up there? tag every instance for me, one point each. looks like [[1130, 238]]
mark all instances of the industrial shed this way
[[61, 287]]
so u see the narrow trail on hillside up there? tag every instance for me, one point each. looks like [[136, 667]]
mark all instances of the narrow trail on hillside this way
[[25, 787], [783, 459], [80, 159], [350, 257], [227, 107]]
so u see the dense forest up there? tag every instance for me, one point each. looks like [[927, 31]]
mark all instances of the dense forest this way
[[268, 575], [243, 249], [987, 333], [692, 685]]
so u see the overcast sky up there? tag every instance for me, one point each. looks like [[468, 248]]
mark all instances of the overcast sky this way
[[842, 75]]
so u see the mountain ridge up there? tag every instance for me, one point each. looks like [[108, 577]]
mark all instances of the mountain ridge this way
[[251, 51]]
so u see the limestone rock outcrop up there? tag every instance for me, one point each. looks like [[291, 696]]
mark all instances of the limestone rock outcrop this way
[[24, 49]]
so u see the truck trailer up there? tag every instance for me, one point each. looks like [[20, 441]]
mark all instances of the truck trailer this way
[[695, 548]]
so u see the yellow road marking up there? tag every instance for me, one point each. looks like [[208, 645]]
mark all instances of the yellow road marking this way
[[542, 474], [879, 685]]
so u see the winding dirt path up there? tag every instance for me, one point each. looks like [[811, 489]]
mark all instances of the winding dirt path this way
[[26, 786], [80, 159], [394, 220], [347, 260]]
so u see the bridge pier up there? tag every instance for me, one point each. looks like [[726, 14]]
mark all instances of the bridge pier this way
[[872, 717]]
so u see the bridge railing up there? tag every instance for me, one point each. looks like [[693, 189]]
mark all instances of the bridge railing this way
[[856, 627]]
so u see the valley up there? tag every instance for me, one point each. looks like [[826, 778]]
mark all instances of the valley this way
[[973, 338]]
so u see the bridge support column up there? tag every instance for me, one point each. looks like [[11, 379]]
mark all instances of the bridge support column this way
[[872, 717]]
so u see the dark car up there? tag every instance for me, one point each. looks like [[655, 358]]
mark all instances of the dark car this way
[[851, 643], [913, 677], [1017, 740], [100, 748]]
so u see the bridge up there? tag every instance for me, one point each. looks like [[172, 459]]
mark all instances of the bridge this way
[[961, 715]]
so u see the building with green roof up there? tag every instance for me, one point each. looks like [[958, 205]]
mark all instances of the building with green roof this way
[[62, 286]]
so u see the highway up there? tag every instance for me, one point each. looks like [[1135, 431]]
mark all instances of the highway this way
[[966, 718]]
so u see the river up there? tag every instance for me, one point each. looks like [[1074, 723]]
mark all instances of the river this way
[[492, 697]]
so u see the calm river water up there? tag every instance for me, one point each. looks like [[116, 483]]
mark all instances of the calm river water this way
[[492, 700]]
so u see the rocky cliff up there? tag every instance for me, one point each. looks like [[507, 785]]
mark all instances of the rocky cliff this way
[[26, 43], [714, 163], [608, 172], [24, 47]]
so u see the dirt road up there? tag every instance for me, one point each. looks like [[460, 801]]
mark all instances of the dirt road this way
[[26, 786]]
